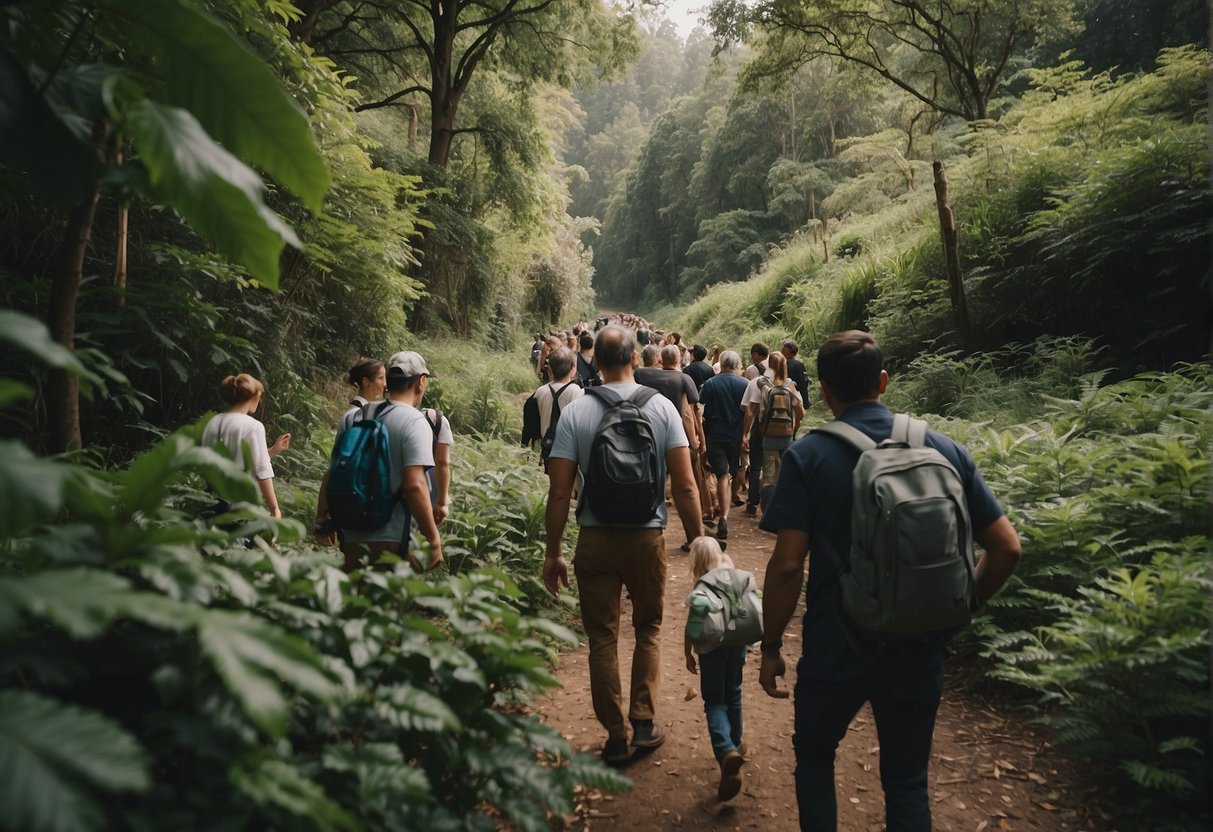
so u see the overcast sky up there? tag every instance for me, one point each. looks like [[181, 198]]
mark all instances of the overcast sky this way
[[685, 13]]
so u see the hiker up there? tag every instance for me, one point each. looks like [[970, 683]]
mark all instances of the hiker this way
[[775, 416], [536, 349], [550, 344], [410, 440], [439, 477], [844, 664], [719, 671], [699, 370], [622, 514], [243, 437], [369, 375], [753, 455], [723, 419], [796, 371], [587, 373], [563, 389]]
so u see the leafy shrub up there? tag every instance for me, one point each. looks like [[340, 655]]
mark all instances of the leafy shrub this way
[[156, 673], [850, 245]]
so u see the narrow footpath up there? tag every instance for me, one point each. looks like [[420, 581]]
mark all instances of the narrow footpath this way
[[989, 771]]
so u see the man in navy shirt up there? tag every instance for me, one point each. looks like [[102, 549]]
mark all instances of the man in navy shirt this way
[[840, 670], [722, 423]]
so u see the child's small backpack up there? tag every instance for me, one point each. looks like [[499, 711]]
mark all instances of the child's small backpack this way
[[359, 490], [726, 610], [911, 569], [777, 418]]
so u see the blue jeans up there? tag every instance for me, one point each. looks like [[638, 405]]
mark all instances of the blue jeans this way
[[720, 686], [903, 686]]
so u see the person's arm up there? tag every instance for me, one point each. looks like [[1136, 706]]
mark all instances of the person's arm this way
[[322, 514], [780, 592], [799, 415], [751, 414], [442, 481], [689, 652], [267, 493], [1002, 552], [686, 494], [281, 444], [561, 474], [416, 490], [703, 439], [688, 423]]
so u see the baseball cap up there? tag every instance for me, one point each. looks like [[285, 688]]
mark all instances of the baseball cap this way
[[408, 364]]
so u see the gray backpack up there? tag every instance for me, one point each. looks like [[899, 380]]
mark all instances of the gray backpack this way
[[725, 610], [912, 568]]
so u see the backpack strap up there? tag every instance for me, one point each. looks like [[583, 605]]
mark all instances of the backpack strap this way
[[606, 395], [641, 397], [853, 436], [556, 394]]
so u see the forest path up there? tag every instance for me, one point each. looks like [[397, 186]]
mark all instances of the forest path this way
[[988, 769]]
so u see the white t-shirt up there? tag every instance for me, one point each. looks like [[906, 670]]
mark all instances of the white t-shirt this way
[[244, 439], [754, 395], [410, 440], [579, 424], [543, 397]]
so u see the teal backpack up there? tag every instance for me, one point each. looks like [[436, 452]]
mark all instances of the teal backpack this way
[[912, 569], [725, 610], [359, 490]]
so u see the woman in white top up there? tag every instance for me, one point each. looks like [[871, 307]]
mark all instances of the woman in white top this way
[[370, 377], [244, 437]]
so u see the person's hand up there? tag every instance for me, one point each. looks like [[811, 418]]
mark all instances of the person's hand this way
[[281, 444], [555, 573], [745, 444], [435, 555], [441, 512], [691, 664], [772, 670]]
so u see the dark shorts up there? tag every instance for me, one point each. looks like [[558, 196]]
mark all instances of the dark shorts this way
[[723, 456]]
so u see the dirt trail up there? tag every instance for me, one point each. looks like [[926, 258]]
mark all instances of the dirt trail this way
[[988, 770]]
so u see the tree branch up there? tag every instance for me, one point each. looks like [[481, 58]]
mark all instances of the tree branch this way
[[393, 98]]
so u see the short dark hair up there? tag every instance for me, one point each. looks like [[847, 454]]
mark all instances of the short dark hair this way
[[850, 363], [586, 341], [614, 346], [761, 350], [791, 347], [698, 352], [560, 362], [397, 383]]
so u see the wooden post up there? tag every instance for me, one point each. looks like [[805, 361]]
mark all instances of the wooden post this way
[[951, 256]]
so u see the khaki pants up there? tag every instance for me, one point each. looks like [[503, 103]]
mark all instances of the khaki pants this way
[[607, 560]]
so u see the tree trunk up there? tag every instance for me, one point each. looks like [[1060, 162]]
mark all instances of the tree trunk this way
[[63, 389], [120, 255], [951, 254]]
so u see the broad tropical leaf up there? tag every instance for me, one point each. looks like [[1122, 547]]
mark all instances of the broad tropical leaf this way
[[84, 602], [233, 93], [31, 489], [277, 783], [54, 758]]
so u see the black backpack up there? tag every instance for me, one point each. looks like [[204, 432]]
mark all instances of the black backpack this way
[[587, 373], [549, 438], [530, 421], [621, 482]]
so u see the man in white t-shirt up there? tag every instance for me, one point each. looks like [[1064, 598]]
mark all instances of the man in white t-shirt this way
[[563, 364], [410, 439], [612, 557]]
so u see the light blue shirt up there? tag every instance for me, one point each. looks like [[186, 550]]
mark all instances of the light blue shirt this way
[[579, 423]]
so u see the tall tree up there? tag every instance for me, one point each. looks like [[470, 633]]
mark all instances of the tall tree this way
[[434, 48], [950, 54]]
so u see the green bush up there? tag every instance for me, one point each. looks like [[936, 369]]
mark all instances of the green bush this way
[[158, 674]]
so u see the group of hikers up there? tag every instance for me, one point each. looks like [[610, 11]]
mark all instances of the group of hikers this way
[[883, 511]]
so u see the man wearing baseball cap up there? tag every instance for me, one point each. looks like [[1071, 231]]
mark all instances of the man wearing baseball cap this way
[[410, 438]]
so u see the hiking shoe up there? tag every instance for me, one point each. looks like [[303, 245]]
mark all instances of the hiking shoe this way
[[736, 502], [722, 529], [741, 749], [616, 752], [647, 735], [751, 511], [730, 775]]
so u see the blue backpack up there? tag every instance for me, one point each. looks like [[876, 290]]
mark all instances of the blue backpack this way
[[359, 491]]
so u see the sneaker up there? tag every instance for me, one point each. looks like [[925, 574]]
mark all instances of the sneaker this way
[[741, 749], [751, 511], [730, 775], [616, 752], [722, 529], [646, 735], [736, 502]]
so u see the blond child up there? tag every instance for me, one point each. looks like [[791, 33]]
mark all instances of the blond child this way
[[719, 678]]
